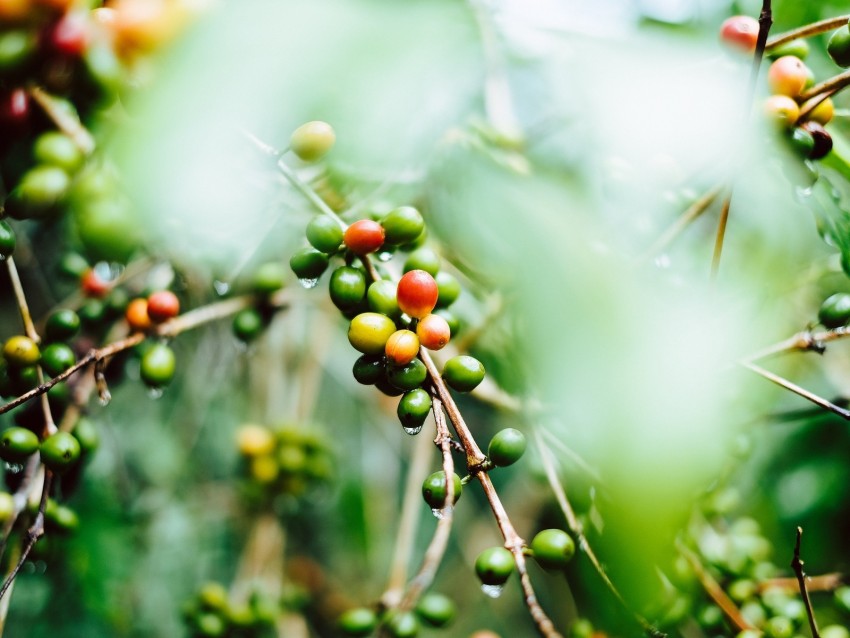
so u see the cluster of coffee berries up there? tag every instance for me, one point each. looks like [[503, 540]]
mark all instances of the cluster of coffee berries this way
[[551, 548], [433, 610], [211, 614], [283, 461]]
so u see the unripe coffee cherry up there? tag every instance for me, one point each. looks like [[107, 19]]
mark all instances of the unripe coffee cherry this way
[[312, 140]]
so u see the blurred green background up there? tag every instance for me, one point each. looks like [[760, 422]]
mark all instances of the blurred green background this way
[[548, 145]]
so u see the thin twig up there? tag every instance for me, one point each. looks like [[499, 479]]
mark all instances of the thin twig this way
[[577, 530], [797, 566], [796, 389], [65, 121], [765, 21], [815, 28], [309, 193], [437, 547], [830, 86], [714, 590], [21, 299], [411, 506], [823, 582], [35, 532], [694, 211]]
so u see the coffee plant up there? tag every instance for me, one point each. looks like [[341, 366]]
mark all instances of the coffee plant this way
[[426, 318]]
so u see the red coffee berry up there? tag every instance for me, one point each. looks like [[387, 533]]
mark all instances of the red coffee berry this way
[[740, 32], [364, 236], [787, 76], [163, 305], [93, 285], [417, 293]]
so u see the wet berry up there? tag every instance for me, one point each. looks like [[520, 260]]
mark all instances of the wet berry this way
[[413, 408], [369, 369], [553, 548], [463, 373], [324, 234], [835, 310], [162, 306], [308, 263], [402, 347], [158, 365], [402, 225], [494, 566], [433, 332], [17, 444], [59, 451], [507, 447], [248, 324], [407, 377], [434, 489], [347, 287]]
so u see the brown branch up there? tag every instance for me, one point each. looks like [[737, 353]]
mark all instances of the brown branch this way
[[437, 547], [823, 582], [765, 21], [411, 504], [577, 530], [21, 299], [714, 590], [64, 120], [797, 566], [171, 328], [35, 532], [815, 28], [796, 389], [830, 86]]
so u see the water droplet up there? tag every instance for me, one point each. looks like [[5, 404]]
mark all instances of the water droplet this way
[[2, 257], [413, 431], [442, 512], [221, 287], [663, 261], [493, 591], [384, 255], [14, 468], [155, 393], [104, 398], [309, 283], [802, 193]]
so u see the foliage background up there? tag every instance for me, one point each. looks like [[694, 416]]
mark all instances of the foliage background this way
[[629, 110]]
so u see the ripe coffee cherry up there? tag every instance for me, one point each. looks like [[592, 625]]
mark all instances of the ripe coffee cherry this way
[[247, 324], [93, 285], [7, 239], [402, 225], [782, 109], [417, 293], [20, 352], [494, 566], [70, 35], [57, 149], [62, 325], [347, 287], [413, 408], [369, 331], [835, 310], [136, 315], [838, 47], [364, 236], [312, 140], [433, 332], [14, 111], [381, 298], [434, 489], [369, 369], [448, 287], [787, 76], [17, 444], [157, 365], [407, 377], [402, 347], [358, 622], [463, 373], [507, 447], [308, 263], [59, 451], [162, 306], [740, 32], [56, 358], [423, 258], [553, 548], [823, 112], [324, 234], [823, 140], [436, 609]]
